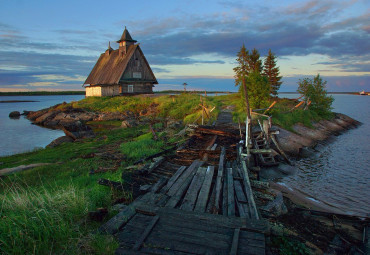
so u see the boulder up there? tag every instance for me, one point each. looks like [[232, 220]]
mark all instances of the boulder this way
[[129, 123], [59, 141], [313, 134], [76, 129], [46, 117], [292, 143], [34, 115], [14, 114], [276, 206]]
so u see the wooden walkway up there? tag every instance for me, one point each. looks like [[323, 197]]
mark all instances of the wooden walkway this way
[[203, 208]]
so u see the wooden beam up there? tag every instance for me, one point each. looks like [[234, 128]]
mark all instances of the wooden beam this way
[[230, 193], [189, 171], [173, 179], [150, 168], [193, 190], [159, 184], [220, 173], [204, 191], [147, 231], [235, 243], [249, 192]]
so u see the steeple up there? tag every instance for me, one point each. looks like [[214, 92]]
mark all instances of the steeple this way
[[125, 41]]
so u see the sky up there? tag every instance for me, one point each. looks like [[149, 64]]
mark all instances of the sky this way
[[53, 45]]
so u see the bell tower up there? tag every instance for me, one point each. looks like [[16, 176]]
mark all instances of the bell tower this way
[[125, 41]]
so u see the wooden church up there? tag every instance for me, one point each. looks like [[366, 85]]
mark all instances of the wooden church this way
[[124, 71]]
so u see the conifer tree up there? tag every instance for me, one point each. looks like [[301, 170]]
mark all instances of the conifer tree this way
[[271, 71], [254, 61]]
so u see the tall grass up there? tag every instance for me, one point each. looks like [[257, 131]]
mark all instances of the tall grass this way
[[42, 221]]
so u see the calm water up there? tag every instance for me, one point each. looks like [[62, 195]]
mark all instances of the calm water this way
[[19, 135], [339, 173]]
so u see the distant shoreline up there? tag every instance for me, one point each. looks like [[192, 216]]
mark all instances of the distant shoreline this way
[[51, 93], [18, 101]]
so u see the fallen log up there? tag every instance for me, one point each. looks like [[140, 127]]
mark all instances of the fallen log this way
[[20, 168]]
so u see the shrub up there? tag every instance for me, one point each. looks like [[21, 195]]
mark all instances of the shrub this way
[[315, 91]]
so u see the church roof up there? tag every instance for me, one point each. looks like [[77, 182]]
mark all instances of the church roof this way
[[109, 68], [126, 37]]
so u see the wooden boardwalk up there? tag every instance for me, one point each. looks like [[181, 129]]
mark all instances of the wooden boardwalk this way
[[202, 208]]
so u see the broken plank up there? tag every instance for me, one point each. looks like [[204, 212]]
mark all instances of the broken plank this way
[[147, 231], [193, 190], [150, 168], [160, 183], [211, 203], [204, 191], [224, 197], [239, 192], [230, 193], [114, 224], [190, 170], [220, 173], [248, 190], [234, 245], [174, 178]]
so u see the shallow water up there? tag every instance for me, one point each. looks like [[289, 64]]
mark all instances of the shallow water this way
[[19, 135], [339, 174]]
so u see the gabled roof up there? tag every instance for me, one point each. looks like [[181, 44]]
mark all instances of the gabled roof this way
[[126, 37], [109, 68]]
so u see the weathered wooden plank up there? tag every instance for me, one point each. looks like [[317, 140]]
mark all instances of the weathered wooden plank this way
[[234, 246], [157, 251], [193, 190], [160, 183], [152, 166], [224, 197], [147, 231], [217, 220], [211, 142], [173, 179], [248, 190], [230, 193], [214, 147], [204, 191], [211, 202], [241, 209], [220, 174], [114, 224], [189, 171], [180, 191], [123, 251], [239, 192]]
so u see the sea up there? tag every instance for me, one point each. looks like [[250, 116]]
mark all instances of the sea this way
[[338, 174]]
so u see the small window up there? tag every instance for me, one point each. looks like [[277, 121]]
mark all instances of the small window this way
[[130, 88], [136, 75]]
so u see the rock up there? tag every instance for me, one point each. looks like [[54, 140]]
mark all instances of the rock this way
[[45, 117], [59, 141], [313, 134], [76, 129], [14, 114], [276, 206], [129, 123], [34, 115], [291, 143]]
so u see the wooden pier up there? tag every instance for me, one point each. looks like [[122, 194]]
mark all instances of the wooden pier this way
[[199, 202]]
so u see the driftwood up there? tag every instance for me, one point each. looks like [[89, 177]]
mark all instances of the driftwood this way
[[112, 184], [20, 168]]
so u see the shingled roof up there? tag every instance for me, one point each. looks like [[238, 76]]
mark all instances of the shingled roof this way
[[109, 68], [126, 37]]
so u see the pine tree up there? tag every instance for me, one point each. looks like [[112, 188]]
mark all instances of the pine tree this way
[[241, 72], [254, 61], [271, 71]]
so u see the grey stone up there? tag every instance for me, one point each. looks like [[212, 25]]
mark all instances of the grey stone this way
[[14, 114], [59, 141]]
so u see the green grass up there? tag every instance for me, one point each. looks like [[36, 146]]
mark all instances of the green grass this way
[[182, 107]]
